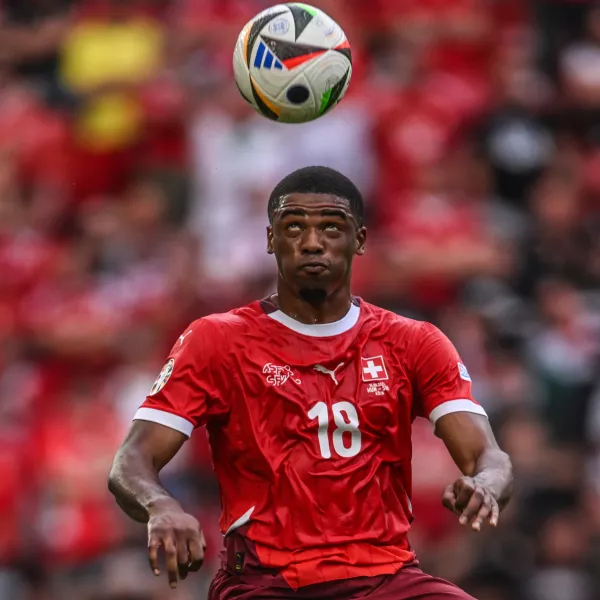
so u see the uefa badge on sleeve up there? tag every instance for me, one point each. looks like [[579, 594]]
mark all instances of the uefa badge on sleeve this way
[[163, 377], [462, 371]]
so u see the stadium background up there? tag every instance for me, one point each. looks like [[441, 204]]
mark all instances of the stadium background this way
[[133, 186]]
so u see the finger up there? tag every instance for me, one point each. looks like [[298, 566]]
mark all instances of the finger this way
[[463, 492], [196, 550], [483, 514], [473, 505], [196, 547], [171, 560], [153, 546], [495, 514], [183, 571], [183, 556], [448, 499]]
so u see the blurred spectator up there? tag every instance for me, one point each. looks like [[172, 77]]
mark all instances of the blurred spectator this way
[[111, 50], [515, 138], [104, 57], [562, 544], [579, 65], [560, 243], [566, 350], [30, 37], [437, 215], [237, 155]]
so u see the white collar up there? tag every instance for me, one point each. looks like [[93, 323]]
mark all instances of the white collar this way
[[319, 329]]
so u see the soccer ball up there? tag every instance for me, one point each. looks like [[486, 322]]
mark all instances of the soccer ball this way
[[292, 63]]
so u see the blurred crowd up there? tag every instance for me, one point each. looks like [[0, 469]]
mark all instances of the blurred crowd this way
[[133, 187]]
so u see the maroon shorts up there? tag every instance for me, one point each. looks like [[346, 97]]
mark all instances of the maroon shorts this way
[[407, 584]]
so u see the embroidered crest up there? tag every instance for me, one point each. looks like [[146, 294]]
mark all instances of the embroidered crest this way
[[278, 375], [163, 377]]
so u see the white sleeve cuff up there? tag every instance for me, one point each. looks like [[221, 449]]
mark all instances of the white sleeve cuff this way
[[164, 418], [452, 406]]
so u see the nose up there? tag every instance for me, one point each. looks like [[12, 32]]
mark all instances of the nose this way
[[312, 242]]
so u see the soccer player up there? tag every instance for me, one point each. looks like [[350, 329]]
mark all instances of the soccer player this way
[[308, 397]]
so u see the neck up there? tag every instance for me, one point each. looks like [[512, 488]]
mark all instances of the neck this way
[[332, 308]]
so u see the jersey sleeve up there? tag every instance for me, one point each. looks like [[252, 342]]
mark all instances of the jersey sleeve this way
[[184, 391], [443, 384]]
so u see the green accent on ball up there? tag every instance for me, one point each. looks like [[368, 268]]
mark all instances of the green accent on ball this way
[[325, 101], [334, 94], [301, 19], [309, 9]]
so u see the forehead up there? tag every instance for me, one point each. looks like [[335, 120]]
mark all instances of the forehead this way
[[310, 202]]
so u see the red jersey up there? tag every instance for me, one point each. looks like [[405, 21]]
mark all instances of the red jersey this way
[[310, 429]]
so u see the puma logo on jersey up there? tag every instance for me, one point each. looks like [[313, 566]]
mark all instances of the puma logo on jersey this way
[[278, 375], [182, 337], [329, 372]]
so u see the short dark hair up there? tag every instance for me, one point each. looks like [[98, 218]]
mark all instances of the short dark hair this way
[[318, 180]]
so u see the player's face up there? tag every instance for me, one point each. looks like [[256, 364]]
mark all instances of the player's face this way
[[314, 238]]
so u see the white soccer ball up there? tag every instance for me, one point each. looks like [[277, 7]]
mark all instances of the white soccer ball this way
[[292, 63]]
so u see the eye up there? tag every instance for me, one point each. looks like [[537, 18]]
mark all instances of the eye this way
[[332, 227], [293, 226]]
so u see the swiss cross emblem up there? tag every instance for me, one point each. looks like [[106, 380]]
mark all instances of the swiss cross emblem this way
[[373, 369]]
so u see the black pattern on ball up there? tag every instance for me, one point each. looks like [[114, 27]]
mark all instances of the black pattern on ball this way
[[347, 52], [298, 94], [284, 50], [242, 93], [301, 19], [262, 107], [256, 29]]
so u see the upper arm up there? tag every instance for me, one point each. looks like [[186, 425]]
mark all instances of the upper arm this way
[[443, 384], [183, 393], [467, 436], [154, 443]]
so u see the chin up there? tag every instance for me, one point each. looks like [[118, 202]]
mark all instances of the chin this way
[[313, 294]]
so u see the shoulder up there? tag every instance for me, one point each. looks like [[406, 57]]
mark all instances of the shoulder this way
[[212, 340], [226, 326], [408, 336], [395, 324]]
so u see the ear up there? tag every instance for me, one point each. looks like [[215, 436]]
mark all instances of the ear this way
[[361, 238], [270, 248]]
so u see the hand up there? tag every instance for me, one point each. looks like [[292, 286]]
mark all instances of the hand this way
[[182, 539], [473, 501]]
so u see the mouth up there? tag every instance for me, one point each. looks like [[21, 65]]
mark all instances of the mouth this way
[[314, 267]]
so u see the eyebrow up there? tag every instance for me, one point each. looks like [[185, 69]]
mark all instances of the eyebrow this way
[[334, 212], [286, 212], [326, 212]]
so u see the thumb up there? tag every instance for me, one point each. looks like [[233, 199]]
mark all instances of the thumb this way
[[449, 497], [458, 485]]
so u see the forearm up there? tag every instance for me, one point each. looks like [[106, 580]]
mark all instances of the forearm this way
[[136, 486], [494, 470], [473, 447]]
